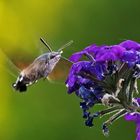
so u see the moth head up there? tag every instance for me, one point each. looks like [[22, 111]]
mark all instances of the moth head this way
[[54, 57]]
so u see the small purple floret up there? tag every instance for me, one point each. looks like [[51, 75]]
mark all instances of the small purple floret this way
[[130, 45], [136, 118], [110, 53]]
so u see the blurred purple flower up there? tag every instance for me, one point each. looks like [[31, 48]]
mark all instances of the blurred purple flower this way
[[136, 118], [108, 77]]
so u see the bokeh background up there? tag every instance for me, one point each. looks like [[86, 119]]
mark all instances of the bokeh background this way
[[46, 111]]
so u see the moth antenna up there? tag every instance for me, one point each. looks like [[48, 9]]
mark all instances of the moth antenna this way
[[46, 44], [66, 59], [65, 46]]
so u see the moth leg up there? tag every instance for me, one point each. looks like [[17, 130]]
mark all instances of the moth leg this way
[[115, 117]]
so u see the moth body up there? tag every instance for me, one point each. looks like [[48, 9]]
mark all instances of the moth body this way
[[41, 67]]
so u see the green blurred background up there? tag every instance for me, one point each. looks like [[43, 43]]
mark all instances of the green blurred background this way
[[46, 111]]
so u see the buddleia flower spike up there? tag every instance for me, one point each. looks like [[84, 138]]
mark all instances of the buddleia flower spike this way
[[108, 77]]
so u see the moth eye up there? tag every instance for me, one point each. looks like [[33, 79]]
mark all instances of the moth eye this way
[[52, 56]]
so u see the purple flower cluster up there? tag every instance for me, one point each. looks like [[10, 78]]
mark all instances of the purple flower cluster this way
[[107, 75]]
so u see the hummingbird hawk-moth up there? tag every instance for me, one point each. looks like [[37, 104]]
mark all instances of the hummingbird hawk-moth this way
[[41, 67]]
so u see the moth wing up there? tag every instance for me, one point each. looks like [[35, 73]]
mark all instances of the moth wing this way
[[7, 65], [60, 72]]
